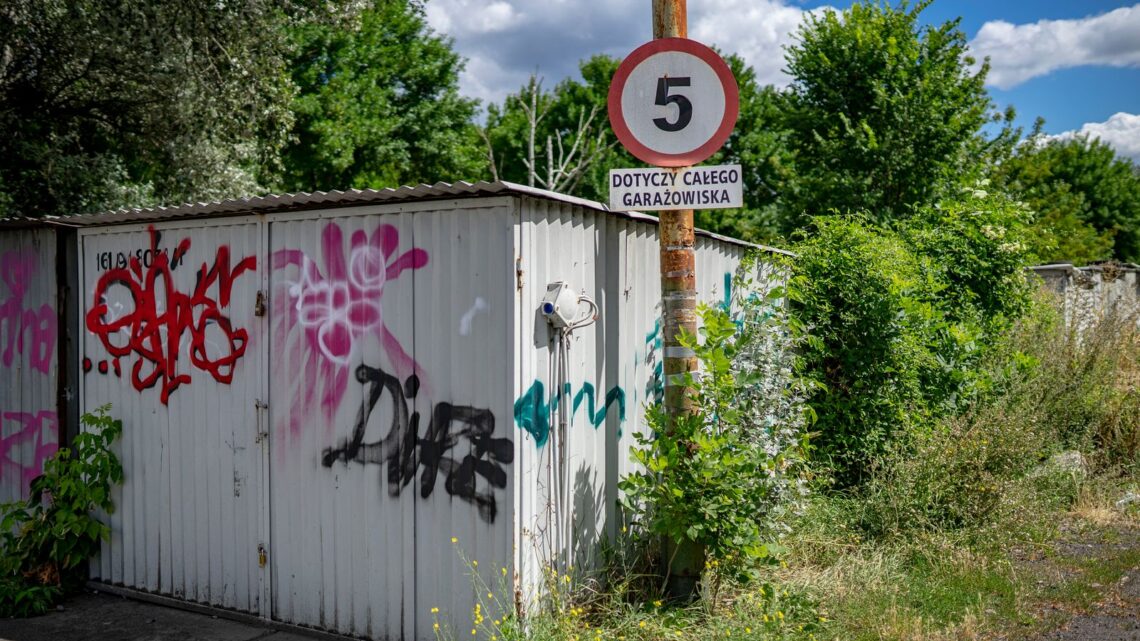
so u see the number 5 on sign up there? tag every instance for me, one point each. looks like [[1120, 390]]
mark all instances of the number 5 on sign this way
[[673, 102]]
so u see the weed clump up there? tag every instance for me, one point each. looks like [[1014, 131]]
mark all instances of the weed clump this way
[[50, 535]]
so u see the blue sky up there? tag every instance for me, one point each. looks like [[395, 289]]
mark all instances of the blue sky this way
[[1075, 63]]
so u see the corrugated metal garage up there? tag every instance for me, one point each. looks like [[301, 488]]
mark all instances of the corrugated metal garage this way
[[321, 391]]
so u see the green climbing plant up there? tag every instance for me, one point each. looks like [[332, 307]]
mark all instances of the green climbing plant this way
[[727, 476], [48, 536]]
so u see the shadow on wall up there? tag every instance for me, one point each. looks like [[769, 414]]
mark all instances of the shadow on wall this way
[[589, 513]]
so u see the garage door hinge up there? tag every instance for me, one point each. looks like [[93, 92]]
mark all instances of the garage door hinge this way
[[262, 555], [260, 406], [260, 303]]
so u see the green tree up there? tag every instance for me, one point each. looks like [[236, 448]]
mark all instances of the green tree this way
[[113, 103], [378, 104], [883, 113], [573, 117], [1087, 197], [759, 144]]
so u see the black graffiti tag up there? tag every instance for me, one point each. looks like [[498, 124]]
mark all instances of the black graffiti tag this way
[[404, 451]]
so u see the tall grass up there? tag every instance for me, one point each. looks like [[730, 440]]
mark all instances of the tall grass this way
[[933, 545]]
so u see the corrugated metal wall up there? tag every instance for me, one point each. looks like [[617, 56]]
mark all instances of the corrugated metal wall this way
[[390, 389], [614, 366], [29, 424], [332, 416], [341, 545], [171, 341], [561, 242]]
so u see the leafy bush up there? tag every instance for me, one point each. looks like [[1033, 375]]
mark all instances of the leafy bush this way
[[868, 305], [901, 320], [51, 534], [725, 476], [1052, 389], [978, 247]]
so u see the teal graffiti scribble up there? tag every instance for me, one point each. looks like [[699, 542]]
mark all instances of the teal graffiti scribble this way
[[532, 413], [653, 338], [655, 387], [615, 395], [727, 304], [532, 410]]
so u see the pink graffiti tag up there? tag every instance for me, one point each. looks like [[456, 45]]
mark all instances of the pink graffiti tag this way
[[337, 308], [26, 331], [26, 441]]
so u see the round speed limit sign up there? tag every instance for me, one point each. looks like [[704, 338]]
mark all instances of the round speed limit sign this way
[[673, 102]]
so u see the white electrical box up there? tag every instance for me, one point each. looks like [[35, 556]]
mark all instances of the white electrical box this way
[[560, 305]]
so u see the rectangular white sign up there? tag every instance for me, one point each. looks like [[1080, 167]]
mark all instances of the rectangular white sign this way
[[659, 188]]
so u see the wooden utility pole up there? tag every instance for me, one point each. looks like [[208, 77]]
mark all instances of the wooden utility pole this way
[[679, 310]]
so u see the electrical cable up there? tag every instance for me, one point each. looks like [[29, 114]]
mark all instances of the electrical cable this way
[[559, 468]]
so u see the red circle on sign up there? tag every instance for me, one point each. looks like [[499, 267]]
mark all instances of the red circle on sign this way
[[709, 147]]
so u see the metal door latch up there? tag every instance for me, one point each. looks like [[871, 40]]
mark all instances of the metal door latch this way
[[262, 555]]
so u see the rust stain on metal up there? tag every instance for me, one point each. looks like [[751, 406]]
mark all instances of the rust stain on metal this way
[[677, 260], [677, 238], [670, 19]]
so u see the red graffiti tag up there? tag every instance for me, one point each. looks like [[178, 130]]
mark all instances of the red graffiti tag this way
[[26, 441], [29, 331], [157, 317]]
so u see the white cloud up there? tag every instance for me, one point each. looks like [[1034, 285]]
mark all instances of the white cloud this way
[[758, 30], [1121, 132], [507, 40], [1021, 52]]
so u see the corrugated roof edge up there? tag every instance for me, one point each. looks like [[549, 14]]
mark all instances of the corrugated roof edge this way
[[1096, 267], [20, 222], [352, 197]]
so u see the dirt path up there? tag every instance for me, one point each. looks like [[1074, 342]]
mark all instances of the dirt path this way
[[1094, 573]]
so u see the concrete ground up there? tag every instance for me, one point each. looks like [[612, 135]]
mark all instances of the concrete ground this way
[[100, 616]]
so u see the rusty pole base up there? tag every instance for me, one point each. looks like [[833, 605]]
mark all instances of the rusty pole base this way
[[686, 563]]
